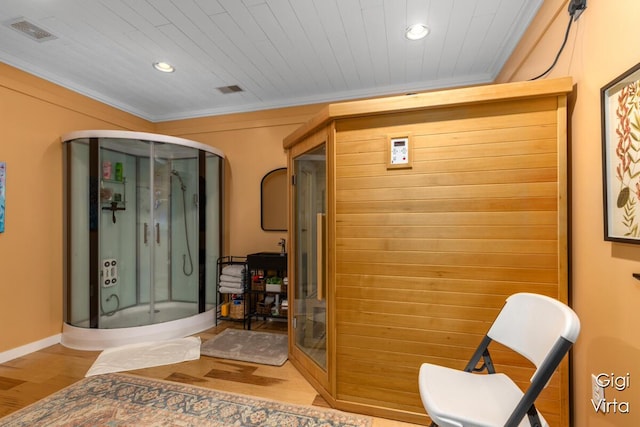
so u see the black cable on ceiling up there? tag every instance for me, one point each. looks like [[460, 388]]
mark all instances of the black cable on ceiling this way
[[566, 36]]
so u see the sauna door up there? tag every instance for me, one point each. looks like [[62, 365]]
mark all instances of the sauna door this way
[[310, 320]]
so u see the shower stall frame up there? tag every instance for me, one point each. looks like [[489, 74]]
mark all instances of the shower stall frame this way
[[94, 337]]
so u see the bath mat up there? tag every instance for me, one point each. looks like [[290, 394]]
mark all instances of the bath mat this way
[[127, 400], [248, 346], [145, 355]]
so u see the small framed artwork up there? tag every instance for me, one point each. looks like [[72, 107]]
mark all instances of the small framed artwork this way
[[620, 106], [3, 186]]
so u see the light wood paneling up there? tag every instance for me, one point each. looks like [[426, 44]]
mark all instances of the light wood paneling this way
[[462, 158]]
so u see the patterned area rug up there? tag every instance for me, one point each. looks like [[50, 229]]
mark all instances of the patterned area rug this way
[[249, 346], [117, 400]]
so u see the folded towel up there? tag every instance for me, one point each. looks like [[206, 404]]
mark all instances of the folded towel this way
[[227, 278], [233, 270], [235, 285], [228, 290]]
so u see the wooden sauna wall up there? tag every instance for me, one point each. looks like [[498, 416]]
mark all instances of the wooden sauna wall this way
[[425, 257]]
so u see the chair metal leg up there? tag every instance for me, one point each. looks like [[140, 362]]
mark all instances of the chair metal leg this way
[[480, 350], [532, 414]]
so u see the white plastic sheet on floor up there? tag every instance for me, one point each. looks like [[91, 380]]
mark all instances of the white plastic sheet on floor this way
[[146, 355]]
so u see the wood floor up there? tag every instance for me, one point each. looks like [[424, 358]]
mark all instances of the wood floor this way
[[27, 379]]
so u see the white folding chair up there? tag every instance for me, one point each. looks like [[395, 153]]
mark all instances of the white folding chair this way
[[541, 329]]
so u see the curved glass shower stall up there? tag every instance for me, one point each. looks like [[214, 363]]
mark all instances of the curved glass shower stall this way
[[143, 234]]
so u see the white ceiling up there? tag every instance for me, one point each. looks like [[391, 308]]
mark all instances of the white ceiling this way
[[281, 52]]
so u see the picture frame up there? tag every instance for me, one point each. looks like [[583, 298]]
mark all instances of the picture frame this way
[[620, 111]]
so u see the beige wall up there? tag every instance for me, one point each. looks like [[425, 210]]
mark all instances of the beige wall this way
[[33, 116], [602, 45]]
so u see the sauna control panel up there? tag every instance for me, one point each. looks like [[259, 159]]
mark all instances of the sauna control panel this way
[[399, 152]]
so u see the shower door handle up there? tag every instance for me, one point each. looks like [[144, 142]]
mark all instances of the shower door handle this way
[[157, 232], [146, 233]]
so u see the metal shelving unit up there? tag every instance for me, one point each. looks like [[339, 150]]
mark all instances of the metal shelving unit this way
[[260, 293], [229, 299]]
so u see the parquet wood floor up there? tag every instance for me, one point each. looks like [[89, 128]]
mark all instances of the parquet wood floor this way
[[27, 379]]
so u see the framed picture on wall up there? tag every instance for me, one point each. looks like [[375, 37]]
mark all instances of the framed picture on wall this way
[[620, 105]]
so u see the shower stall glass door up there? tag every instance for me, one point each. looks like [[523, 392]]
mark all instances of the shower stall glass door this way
[[168, 230], [120, 279], [184, 219], [148, 231]]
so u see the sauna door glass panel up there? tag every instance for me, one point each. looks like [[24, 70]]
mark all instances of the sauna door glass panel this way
[[310, 207]]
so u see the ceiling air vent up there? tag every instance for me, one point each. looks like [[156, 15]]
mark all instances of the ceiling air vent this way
[[30, 30], [230, 89]]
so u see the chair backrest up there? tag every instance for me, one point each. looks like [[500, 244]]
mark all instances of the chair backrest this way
[[532, 324]]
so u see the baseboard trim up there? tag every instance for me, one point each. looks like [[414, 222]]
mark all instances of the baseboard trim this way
[[23, 350]]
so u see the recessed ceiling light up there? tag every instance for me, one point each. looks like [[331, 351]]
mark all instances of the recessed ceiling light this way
[[416, 32], [165, 67]]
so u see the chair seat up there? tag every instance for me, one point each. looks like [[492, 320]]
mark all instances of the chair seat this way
[[462, 399]]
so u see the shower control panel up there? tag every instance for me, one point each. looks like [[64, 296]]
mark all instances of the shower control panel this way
[[109, 272]]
